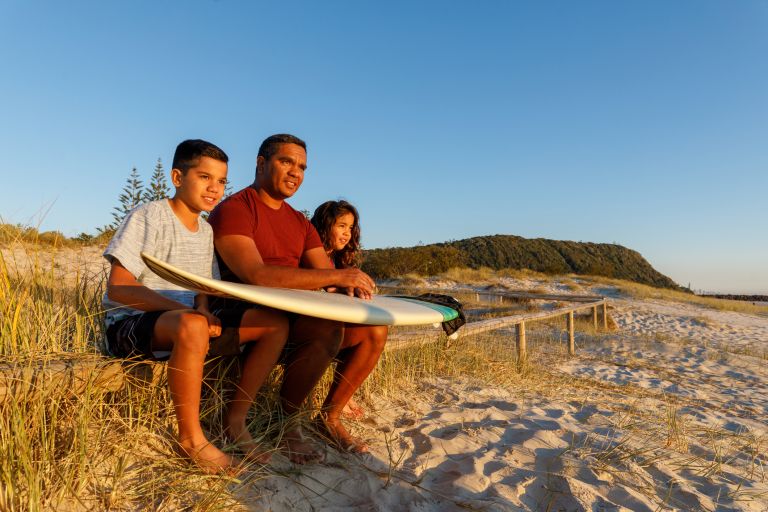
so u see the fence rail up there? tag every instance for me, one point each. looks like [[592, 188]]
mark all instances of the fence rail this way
[[598, 305]]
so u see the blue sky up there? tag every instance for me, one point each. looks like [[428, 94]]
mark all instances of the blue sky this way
[[636, 122]]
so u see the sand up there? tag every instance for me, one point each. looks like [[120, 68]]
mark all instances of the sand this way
[[667, 413]]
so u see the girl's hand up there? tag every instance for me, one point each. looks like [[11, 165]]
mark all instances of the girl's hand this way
[[362, 294]]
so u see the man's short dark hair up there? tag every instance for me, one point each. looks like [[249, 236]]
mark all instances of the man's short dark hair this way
[[189, 152], [272, 143]]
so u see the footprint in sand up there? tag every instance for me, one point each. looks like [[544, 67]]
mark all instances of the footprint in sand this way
[[503, 406], [421, 442]]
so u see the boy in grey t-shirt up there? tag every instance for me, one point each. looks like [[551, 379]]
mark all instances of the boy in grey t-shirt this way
[[148, 317]]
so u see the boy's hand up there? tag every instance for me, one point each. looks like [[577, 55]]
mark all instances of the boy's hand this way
[[214, 324]]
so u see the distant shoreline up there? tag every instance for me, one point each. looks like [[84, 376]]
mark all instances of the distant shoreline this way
[[746, 298]]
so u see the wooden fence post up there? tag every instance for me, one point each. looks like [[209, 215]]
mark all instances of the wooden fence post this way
[[571, 337], [605, 316], [521, 351], [594, 317]]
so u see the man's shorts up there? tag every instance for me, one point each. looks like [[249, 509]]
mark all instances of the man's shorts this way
[[131, 337]]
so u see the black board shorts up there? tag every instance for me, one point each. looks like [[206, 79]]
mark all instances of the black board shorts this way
[[131, 337]]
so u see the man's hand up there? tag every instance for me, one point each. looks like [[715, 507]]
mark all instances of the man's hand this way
[[357, 282]]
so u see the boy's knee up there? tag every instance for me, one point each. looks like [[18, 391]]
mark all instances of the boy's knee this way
[[192, 331]]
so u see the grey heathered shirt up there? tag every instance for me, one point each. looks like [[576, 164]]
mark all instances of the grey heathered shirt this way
[[154, 228]]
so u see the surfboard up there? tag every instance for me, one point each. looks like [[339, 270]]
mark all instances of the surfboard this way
[[379, 310]]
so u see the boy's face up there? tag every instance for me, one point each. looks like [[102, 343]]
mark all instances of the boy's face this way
[[202, 186]]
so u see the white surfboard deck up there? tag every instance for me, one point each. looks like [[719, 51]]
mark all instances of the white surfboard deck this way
[[380, 310]]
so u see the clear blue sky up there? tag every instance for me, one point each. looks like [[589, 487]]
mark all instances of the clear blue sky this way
[[643, 123]]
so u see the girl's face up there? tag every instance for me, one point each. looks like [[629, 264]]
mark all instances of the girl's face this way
[[341, 231]]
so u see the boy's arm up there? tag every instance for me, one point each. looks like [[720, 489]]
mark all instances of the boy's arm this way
[[243, 258], [123, 287]]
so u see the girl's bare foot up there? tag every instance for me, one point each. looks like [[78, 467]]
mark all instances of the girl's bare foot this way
[[299, 449], [353, 410], [209, 458], [237, 432], [341, 437]]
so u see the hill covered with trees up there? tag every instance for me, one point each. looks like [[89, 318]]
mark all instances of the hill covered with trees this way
[[514, 252]]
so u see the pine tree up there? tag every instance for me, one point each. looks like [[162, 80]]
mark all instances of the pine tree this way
[[132, 196], [158, 186], [227, 190]]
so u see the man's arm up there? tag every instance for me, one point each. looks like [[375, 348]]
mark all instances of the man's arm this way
[[243, 258], [317, 258]]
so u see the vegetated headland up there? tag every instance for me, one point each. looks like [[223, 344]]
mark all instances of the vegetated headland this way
[[514, 252]]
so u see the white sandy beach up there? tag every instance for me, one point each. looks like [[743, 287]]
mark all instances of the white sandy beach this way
[[668, 413]]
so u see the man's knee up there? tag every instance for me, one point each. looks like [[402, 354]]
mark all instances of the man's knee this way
[[378, 336], [268, 320], [323, 336]]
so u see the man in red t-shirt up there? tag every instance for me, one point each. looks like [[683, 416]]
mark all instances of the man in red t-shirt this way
[[262, 240]]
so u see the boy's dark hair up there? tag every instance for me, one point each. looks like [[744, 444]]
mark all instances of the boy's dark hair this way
[[271, 143], [324, 218], [189, 152]]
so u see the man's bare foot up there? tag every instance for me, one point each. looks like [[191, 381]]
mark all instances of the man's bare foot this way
[[237, 432], [341, 437], [299, 449], [353, 410], [209, 458]]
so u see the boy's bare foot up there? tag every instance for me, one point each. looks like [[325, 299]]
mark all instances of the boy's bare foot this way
[[353, 410], [209, 458], [299, 449], [237, 432], [341, 436]]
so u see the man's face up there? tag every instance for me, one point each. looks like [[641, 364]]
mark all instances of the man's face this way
[[282, 174]]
